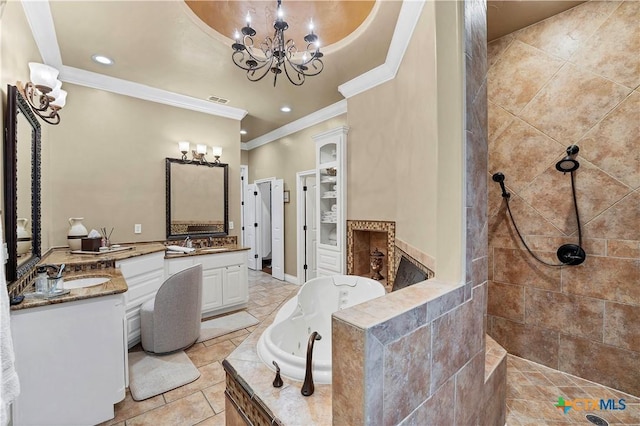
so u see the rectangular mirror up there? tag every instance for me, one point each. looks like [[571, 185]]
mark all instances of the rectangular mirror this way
[[21, 186], [197, 199]]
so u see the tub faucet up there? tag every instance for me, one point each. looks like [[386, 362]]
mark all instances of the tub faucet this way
[[307, 386]]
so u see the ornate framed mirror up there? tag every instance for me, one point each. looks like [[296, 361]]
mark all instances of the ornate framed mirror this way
[[197, 199], [21, 186]]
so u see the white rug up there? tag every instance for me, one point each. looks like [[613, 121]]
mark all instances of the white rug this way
[[225, 325], [151, 375]]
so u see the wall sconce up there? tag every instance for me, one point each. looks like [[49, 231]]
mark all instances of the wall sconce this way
[[43, 92], [199, 153], [183, 146], [216, 151]]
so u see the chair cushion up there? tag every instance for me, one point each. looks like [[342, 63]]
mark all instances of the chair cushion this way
[[146, 325]]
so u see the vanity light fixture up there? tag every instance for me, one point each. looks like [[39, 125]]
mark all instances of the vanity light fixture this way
[[43, 92], [184, 147], [216, 151]]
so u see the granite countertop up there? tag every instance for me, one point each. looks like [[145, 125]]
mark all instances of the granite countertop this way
[[115, 285], [101, 264], [208, 250], [64, 255]]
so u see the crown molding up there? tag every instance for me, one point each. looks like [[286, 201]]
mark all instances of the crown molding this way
[[407, 21], [319, 116], [39, 17], [147, 93]]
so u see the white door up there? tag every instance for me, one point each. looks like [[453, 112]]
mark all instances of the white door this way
[[251, 231], [244, 176], [277, 229], [311, 234]]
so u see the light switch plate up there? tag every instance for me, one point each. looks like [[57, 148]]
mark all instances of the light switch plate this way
[[230, 225], [137, 228]]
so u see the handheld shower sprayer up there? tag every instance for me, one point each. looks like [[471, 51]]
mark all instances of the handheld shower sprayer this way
[[499, 177], [568, 254]]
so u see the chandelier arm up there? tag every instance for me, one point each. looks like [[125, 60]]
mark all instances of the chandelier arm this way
[[252, 72], [241, 62], [301, 76]]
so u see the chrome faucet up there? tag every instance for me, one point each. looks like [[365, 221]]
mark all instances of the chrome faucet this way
[[307, 386], [187, 242]]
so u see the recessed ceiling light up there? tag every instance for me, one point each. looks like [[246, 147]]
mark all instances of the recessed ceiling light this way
[[101, 59], [243, 132], [285, 109]]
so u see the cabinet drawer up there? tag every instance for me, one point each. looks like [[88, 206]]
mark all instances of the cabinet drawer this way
[[220, 260], [143, 287], [330, 260], [177, 265], [141, 264]]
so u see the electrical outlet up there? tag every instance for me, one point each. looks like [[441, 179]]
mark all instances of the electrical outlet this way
[[137, 228], [230, 225]]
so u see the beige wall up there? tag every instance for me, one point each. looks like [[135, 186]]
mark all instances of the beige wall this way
[[107, 162], [583, 319], [282, 159], [17, 49], [392, 146], [244, 157]]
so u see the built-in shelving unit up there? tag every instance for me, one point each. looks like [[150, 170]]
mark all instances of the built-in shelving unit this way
[[331, 203]]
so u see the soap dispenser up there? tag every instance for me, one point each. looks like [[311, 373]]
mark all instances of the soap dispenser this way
[[42, 285]]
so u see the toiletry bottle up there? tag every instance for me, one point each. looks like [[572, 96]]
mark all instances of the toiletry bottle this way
[[41, 280]]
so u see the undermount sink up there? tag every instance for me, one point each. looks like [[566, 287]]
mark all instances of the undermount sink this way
[[85, 282]]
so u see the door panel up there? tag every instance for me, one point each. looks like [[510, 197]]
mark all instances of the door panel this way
[[277, 229], [250, 230]]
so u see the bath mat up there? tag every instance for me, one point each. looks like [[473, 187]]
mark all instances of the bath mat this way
[[151, 375], [224, 325]]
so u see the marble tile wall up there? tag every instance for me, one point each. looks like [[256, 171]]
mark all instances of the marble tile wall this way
[[571, 79], [418, 356]]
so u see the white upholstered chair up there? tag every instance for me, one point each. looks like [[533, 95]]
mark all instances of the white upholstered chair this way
[[171, 321]]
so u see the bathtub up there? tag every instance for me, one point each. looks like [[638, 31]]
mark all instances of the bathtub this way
[[285, 340]]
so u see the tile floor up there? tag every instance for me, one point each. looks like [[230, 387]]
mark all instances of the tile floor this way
[[532, 389]]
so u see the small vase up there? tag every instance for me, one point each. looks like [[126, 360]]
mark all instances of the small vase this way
[[24, 236], [77, 231]]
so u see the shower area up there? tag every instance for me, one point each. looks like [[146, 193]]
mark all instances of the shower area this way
[[571, 80]]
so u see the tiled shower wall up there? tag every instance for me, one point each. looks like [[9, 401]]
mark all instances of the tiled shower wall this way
[[571, 79]]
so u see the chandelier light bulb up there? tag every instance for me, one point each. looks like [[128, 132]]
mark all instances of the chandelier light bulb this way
[[280, 13], [248, 19], [311, 26]]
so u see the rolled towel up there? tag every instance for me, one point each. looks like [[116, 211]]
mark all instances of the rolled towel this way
[[181, 249], [334, 208]]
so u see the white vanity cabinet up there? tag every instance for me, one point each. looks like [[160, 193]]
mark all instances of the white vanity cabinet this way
[[71, 361], [224, 279], [144, 276], [331, 215]]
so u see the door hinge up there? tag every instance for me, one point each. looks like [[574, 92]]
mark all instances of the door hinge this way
[[242, 228], [241, 177], [255, 193], [255, 225], [305, 267], [304, 228], [255, 255], [304, 188], [242, 203]]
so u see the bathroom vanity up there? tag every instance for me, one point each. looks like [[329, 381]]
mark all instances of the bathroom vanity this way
[[71, 351]]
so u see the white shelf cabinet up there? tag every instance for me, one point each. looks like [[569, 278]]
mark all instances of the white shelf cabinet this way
[[224, 280], [331, 172]]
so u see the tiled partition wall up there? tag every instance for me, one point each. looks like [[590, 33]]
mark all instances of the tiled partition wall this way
[[417, 356], [572, 79]]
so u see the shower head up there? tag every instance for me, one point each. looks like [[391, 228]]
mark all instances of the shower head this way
[[568, 163], [499, 177]]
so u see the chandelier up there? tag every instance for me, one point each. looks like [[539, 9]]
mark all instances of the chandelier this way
[[277, 55]]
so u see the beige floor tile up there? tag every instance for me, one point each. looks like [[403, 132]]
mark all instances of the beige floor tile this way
[[203, 355], [215, 396], [210, 374], [229, 336], [128, 408], [217, 420], [185, 412]]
